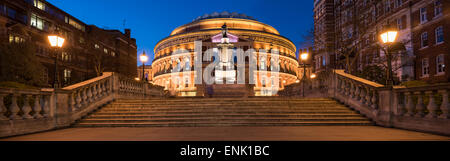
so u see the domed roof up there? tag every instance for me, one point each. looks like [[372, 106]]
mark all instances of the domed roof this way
[[224, 14]]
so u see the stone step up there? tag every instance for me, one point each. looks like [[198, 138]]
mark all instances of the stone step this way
[[218, 116], [221, 108], [227, 99], [221, 112], [216, 119], [192, 112], [138, 115], [199, 124], [225, 110]]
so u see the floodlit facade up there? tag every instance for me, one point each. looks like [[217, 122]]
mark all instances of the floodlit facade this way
[[221, 36]]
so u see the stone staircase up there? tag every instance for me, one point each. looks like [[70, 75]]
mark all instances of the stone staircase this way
[[201, 112]]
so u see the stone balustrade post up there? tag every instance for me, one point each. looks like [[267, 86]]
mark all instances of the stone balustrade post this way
[[399, 104], [410, 105], [14, 108], [445, 107], [357, 93], [432, 107], [26, 108], [47, 105], [37, 107], [3, 109], [420, 107]]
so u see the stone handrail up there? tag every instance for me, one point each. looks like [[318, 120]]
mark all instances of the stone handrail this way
[[418, 108], [45, 109], [410, 101], [37, 109], [84, 93], [358, 92]]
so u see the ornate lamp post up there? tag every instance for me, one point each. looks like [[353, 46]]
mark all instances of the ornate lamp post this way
[[56, 42], [388, 38], [144, 58], [304, 57]]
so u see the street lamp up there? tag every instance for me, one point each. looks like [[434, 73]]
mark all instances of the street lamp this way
[[313, 76], [56, 42], [144, 58], [388, 38], [304, 57]]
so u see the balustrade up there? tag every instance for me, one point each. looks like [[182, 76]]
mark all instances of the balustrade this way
[[359, 90], [18, 107], [423, 102]]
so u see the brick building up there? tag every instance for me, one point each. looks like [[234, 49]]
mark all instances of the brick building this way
[[324, 35], [359, 23], [431, 41], [87, 51]]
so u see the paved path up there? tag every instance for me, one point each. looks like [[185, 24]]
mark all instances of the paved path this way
[[304, 133]]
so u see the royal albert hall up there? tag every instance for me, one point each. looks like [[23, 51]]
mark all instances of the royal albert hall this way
[[218, 31]]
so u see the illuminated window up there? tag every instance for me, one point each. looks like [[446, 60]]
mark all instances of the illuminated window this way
[[105, 50], [67, 75], [76, 24], [37, 22], [113, 53], [11, 38], [65, 56], [440, 64], [39, 4], [16, 39], [82, 40], [96, 46], [425, 67]]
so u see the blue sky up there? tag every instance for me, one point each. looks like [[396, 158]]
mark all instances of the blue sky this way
[[153, 20]]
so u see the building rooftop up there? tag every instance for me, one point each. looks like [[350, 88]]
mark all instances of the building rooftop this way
[[224, 14]]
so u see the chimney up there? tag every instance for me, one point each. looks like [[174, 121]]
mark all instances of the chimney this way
[[128, 33]]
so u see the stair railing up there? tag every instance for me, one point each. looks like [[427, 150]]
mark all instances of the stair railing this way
[[418, 108], [34, 110]]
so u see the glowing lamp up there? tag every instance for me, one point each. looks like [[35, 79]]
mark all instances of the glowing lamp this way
[[56, 41], [313, 76], [144, 58], [304, 56], [389, 36]]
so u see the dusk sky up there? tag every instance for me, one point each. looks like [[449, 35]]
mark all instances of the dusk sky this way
[[152, 20]]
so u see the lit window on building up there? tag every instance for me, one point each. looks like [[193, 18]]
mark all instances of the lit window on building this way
[[81, 40], [424, 39], [113, 53], [16, 39], [105, 50], [37, 22], [65, 56], [439, 35], [440, 64], [423, 15], [76, 24], [67, 75], [425, 67], [39, 4], [96, 46], [437, 8]]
